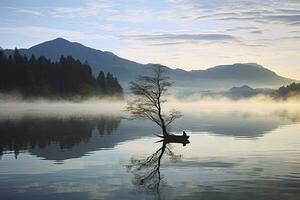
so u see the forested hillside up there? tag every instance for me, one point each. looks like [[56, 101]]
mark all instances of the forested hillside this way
[[65, 78]]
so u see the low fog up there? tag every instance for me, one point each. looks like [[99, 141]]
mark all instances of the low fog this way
[[13, 106]]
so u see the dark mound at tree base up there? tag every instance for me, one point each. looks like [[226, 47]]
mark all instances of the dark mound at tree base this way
[[182, 139]]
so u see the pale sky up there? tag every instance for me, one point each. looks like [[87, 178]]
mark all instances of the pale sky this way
[[187, 34]]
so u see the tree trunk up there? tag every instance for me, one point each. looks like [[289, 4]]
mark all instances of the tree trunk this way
[[163, 126], [165, 133]]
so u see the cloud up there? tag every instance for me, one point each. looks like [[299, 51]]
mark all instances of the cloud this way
[[194, 39], [32, 12], [138, 11], [92, 8], [257, 32], [168, 43], [290, 38], [268, 11], [135, 12], [259, 18], [44, 33], [238, 28], [283, 18], [289, 11], [295, 23], [26, 11], [181, 37]]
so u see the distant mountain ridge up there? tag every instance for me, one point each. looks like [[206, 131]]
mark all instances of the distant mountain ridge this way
[[218, 77], [245, 92]]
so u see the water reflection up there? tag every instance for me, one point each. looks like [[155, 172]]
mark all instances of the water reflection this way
[[147, 170], [60, 138], [218, 167], [241, 124], [61, 135], [233, 154]]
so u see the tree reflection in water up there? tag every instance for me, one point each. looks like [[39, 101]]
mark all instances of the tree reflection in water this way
[[146, 171], [30, 133]]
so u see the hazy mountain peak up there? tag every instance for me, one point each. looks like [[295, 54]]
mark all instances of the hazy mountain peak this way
[[238, 65], [241, 88], [59, 39], [110, 53], [253, 64], [58, 44], [56, 41]]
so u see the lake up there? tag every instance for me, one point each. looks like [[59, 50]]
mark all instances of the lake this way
[[91, 151]]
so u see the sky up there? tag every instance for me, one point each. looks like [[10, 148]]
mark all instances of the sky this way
[[186, 34]]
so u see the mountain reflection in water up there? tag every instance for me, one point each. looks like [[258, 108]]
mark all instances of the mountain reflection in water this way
[[233, 154], [60, 138]]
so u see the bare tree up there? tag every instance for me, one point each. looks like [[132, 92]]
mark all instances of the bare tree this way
[[149, 92]]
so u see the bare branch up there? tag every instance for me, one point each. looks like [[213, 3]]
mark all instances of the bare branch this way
[[148, 94], [174, 114]]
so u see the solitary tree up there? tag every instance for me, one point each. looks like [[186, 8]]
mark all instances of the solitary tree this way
[[149, 92]]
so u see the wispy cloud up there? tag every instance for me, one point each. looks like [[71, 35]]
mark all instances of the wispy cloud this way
[[45, 33], [283, 18], [192, 39], [107, 10], [92, 8], [267, 11], [180, 37], [238, 28], [290, 38], [26, 11], [257, 32], [289, 11]]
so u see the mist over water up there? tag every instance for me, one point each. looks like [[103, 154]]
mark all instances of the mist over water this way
[[12, 107], [92, 107], [243, 118], [73, 149]]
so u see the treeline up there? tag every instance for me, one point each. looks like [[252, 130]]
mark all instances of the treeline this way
[[289, 90], [41, 77]]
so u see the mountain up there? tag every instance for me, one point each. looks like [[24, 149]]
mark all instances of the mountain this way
[[291, 90], [219, 77], [242, 92], [245, 92], [98, 60]]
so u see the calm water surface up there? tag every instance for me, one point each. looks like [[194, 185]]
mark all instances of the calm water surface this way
[[234, 153]]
